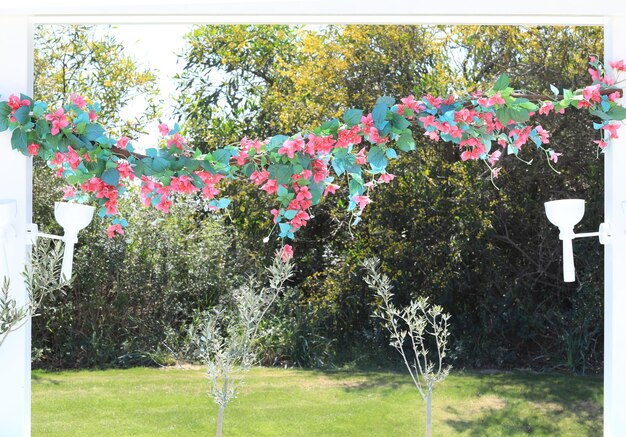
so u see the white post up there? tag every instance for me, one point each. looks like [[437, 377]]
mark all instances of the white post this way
[[16, 183], [615, 256]]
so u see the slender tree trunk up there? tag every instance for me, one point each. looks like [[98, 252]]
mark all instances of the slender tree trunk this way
[[429, 413], [220, 421]]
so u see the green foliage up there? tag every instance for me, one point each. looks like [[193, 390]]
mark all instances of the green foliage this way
[[128, 291]]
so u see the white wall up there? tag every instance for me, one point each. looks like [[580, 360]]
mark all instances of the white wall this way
[[15, 183]]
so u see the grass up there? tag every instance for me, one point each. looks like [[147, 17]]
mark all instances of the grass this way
[[279, 402]]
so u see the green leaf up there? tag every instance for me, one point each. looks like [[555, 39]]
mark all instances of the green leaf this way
[[391, 153], [329, 128], [77, 142], [39, 109], [554, 89], [93, 131], [222, 156], [277, 141], [111, 176], [281, 172], [352, 117], [223, 203], [617, 113], [5, 109], [376, 157], [356, 186], [519, 114], [600, 114], [19, 140], [504, 115], [290, 214], [388, 101], [22, 115], [4, 123], [502, 83], [399, 122], [406, 143], [379, 115], [159, 164]]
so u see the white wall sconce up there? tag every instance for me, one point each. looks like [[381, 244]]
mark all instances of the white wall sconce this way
[[73, 217], [566, 214]]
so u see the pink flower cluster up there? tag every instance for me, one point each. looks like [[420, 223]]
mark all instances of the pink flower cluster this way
[[15, 103]]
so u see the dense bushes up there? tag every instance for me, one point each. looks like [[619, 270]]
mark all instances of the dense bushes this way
[[486, 254]]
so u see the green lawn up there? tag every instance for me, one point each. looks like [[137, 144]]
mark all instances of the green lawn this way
[[278, 402]]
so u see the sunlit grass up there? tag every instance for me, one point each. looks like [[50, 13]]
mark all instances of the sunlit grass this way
[[279, 402]]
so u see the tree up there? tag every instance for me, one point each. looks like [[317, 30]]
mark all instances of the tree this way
[[441, 226], [226, 339]]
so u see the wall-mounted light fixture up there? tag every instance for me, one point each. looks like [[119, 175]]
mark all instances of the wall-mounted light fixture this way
[[73, 217], [566, 214]]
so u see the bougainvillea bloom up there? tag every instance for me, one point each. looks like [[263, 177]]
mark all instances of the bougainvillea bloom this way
[[114, 230], [78, 101], [164, 130], [286, 253], [33, 149], [122, 142], [59, 121], [361, 201]]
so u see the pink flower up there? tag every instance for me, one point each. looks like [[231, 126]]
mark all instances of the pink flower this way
[[115, 229], [330, 188], [496, 172], [601, 144], [592, 93], [362, 201], [494, 157], [286, 253], [59, 121], [270, 187], [177, 141], [78, 101], [349, 136], [93, 116], [69, 192], [477, 148], [182, 184], [361, 159], [15, 103], [612, 129], [546, 108], [543, 134], [320, 170], [258, 177], [322, 145], [291, 147], [122, 142], [496, 99], [554, 156], [125, 170], [164, 130], [367, 121], [595, 76], [33, 149], [385, 178], [410, 102], [275, 213], [72, 158], [613, 97], [618, 65], [164, 204]]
